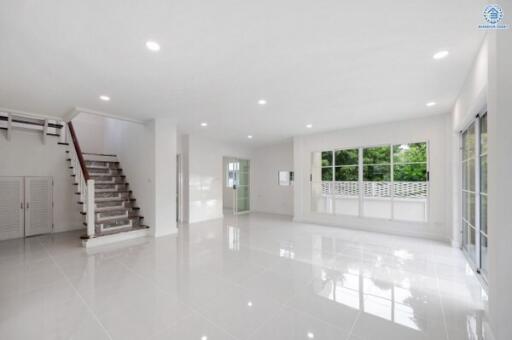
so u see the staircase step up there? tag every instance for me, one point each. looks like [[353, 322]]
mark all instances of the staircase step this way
[[114, 199], [118, 209], [111, 191]]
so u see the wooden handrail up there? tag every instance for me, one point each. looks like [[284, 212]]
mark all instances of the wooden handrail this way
[[78, 151]]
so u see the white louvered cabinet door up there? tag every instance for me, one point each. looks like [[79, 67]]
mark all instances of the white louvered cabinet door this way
[[11, 207], [38, 205]]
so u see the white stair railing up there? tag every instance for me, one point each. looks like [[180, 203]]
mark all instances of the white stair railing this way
[[85, 184]]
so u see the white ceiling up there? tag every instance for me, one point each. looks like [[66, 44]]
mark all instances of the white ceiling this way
[[332, 63]]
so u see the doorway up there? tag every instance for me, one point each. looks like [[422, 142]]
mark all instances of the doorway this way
[[236, 193]]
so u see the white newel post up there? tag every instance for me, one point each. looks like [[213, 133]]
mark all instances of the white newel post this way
[[90, 208]]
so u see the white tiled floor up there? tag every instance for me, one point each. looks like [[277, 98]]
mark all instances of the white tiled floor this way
[[252, 277]]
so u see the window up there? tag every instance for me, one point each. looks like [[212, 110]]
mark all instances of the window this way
[[231, 172], [387, 181], [474, 193], [377, 182]]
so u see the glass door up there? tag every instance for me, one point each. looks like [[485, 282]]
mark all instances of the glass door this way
[[241, 192], [468, 193], [474, 193]]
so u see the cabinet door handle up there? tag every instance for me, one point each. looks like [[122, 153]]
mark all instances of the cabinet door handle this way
[[27, 205], [21, 205]]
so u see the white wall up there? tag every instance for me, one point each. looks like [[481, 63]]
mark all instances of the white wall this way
[[91, 131], [500, 179], [165, 147], [205, 176], [267, 195], [26, 155], [431, 129], [228, 193]]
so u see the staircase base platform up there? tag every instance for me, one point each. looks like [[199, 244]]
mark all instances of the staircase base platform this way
[[116, 236]]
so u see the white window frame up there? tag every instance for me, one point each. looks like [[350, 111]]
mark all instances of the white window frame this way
[[361, 180]]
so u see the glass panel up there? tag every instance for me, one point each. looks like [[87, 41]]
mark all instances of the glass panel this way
[[471, 178], [243, 178], [468, 142], [465, 206], [376, 173], [472, 244], [471, 209], [376, 177], [483, 213], [347, 173], [410, 172], [483, 174], [326, 158], [326, 174], [465, 175], [242, 204], [410, 153], [483, 254], [244, 165], [483, 134], [242, 190], [465, 236], [377, 155], [347, 157]]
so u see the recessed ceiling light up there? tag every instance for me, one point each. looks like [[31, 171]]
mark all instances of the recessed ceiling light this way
[[430, 104], [262, 101], [311, 335], [250, 136], [441, 55], [309, 126], [153, 46], [203, 124], [249, 303], [105, 98], [204, 337]]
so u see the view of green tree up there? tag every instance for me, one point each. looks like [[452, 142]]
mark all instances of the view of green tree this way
[[347, 173], [327, 174], [326, 158], [347, 157], [410, 172], [377, 155], [410, 153], [409, 163], [377, 173]]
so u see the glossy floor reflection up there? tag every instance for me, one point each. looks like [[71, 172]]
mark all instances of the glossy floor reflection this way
[[253, 277]]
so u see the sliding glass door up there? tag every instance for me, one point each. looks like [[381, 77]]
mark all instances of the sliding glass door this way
[[237, 178], [241, 192], [474, 193]]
